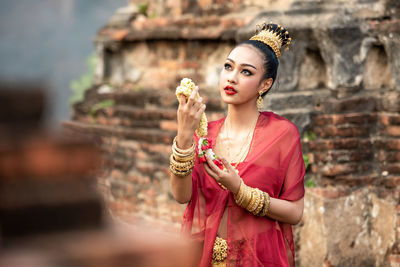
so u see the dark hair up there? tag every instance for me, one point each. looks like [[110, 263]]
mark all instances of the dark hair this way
[[271, 62]]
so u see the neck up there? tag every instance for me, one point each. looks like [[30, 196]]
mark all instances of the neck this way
[[242, 117]]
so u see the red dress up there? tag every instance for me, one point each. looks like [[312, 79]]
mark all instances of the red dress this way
[[273, 164]]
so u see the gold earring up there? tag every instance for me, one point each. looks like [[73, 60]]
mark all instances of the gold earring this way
[[260, 100]]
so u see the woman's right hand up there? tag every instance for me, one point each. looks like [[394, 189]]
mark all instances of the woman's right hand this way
[[189, 114]]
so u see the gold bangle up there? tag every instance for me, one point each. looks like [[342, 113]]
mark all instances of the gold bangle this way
[[260, 204], [183, 151], [183, 155], [247, 197], [184, 159], [267, 201], [180, 169], [178, 164], [180, 173], [239, 196], [257, 202], [253, 200]]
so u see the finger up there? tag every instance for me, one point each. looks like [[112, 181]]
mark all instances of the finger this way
[[192, 97], [210, 172], [227, 165], [182, 100], [198, 104], [213, 167], [201, 110]]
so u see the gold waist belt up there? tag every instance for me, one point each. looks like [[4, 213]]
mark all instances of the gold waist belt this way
[[220, 250]]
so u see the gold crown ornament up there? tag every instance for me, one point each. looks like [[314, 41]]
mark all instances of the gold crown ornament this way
[[273, 35]]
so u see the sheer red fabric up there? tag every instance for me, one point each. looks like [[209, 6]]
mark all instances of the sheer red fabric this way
[[273, 164]]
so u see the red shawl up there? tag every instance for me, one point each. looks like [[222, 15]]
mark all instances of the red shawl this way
[[273, 164]]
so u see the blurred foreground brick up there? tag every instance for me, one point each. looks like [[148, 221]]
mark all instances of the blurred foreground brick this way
[[51, 213]]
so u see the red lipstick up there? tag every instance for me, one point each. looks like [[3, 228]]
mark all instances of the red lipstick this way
[[229, 90]]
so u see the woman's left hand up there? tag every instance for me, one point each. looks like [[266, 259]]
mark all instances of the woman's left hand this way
[[229, 178]]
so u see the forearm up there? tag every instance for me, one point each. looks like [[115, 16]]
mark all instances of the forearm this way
[[261, 204], [286, 211], [181, 185], [181, 188]]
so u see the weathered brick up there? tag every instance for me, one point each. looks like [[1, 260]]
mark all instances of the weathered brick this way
[[351, 105], [48, 158], [169, 125], [321, 120], [346, 143], [340, 119], [393, 168], [389, 119], [342, 131], [341, 156], [389, 156], [388, 144], [339, 169], [328, 192], [321, 145], [393, 131]]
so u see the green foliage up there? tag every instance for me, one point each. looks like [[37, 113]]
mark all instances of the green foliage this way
[[80, 85], [143, 8], [309, 136], [306, 159], [101, 105], [310, 183]]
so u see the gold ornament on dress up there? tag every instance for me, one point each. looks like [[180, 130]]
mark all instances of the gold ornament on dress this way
[[220, 250], [272, 35]]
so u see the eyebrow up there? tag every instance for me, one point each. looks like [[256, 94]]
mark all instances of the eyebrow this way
[[244, 64]]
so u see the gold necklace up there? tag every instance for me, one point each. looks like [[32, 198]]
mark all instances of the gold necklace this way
[[245, 145]]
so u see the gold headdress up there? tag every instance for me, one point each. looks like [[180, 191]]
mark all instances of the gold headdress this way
[[272, 35]]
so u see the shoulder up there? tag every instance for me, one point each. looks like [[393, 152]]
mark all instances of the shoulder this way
[[280, 123]]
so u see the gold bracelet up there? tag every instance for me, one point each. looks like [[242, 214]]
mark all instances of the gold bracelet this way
[[267, 201], [180, 173], [183, 155], [260, 204], [257, 202], [247, 197], [239, 196], [253, 202], [180, 170], [183, 151], [180, 165], [184, 159]]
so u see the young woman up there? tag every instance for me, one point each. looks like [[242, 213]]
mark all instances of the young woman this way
[[242, 214]]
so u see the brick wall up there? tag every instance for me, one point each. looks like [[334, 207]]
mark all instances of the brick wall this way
[[339, 83]]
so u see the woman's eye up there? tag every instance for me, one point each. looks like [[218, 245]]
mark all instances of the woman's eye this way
[[227, 66], [246, 72]]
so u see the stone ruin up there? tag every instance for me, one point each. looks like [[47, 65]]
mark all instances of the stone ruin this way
[[339, 83]]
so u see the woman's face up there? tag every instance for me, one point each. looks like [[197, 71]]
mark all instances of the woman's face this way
[[240, 79]]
